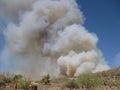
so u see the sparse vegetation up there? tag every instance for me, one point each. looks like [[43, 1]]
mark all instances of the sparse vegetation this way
[[8, 77], [107, 80]]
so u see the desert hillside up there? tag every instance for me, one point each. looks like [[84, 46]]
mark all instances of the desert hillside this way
[[107, 80]]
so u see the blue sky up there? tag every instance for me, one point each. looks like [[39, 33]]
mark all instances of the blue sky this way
[[102, 18]]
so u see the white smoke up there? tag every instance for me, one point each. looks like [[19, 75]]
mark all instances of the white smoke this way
[[50, 38]]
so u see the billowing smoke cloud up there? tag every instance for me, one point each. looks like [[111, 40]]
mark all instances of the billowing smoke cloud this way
[[12, 10], [50, 38]]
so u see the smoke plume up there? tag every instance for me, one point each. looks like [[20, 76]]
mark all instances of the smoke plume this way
[[48, 36], [117, 60]]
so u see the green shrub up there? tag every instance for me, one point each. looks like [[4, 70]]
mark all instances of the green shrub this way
[[72, 84], [23, 83], [89, 80]]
